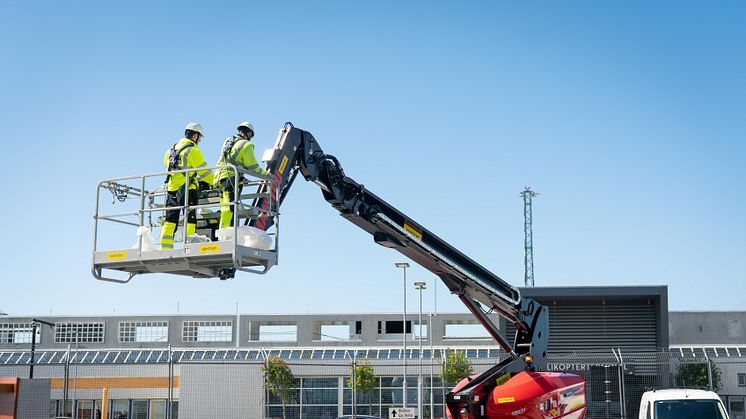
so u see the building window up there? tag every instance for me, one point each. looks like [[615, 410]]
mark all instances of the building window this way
[[278, 333], [393, 326], [416, 330], [18, 333], [216, 331], [313, 397], [334, 332], [741, 379], [466, 331], [143, 331], [84, 332], [388, 393]]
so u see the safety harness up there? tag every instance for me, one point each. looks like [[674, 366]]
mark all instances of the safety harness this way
[[175, 160], [227, 155]]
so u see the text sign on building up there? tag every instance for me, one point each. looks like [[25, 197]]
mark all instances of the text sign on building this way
[[402, 412]]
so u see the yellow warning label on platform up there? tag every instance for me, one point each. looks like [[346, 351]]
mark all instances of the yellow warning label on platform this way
[[411, 229], [283, 163], [502, 379], [120, 255], [506, 400], [209, 248]]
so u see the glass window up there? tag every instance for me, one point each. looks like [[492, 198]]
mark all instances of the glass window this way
[[120, 409], [737, 410], [85, 409], [741, 379], [139, 409], [18, 333], [157, 409], [143, 331], [174, 409], [84, 332], [689, 409], [207, 331]]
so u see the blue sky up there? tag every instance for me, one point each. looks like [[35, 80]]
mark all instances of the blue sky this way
[[627, 118]]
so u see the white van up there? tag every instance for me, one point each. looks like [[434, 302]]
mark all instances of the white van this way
[[681, 403]]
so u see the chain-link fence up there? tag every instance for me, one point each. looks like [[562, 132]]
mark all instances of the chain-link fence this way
[[147, 384]]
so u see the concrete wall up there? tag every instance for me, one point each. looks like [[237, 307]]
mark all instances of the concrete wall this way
[[707, 327]]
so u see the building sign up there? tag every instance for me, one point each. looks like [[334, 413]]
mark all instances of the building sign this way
[[572, 366], [402, 413]]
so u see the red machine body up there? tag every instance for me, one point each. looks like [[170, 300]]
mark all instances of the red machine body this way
[[534, 395]]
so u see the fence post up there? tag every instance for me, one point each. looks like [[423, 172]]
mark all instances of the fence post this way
[[266, 387], [709, 373], [622, 396], [170, 402], [444, 353], [354, 384], [66, 384]]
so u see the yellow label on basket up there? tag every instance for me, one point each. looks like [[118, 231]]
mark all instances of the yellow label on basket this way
[[120, 255], [411, 229], [209, 248], [506, 400], [283, 163], [502, 379]]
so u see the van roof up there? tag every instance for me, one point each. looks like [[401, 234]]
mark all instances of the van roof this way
[[680, 394]]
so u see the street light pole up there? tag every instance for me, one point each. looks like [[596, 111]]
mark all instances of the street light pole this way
[[432, 361], [404, 266], [419, 286]]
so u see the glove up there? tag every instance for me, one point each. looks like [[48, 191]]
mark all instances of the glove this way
[[204, 186]]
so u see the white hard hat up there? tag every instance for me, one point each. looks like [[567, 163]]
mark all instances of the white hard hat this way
[[193, 126], [246, 124]]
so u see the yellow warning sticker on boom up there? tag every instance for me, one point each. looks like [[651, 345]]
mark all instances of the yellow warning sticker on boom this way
[[209, 248], [283, 163], [502, 379], [506, 400], [414, 232], [120, 255]]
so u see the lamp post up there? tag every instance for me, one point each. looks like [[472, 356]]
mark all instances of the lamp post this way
[[419, 286], [404, 266], [432, 361]]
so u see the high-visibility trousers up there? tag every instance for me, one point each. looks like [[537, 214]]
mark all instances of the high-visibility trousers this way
[[227, 195], [171, 222]]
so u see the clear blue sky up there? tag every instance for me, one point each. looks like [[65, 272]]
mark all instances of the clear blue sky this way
[[627, 117]]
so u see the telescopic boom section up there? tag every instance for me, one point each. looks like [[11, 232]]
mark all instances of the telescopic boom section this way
[[296, 151]]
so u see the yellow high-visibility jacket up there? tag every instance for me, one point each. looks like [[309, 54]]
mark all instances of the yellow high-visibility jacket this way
[[189, 157], [241, 154]]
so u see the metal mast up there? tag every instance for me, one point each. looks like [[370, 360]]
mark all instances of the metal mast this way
[[528, 260]]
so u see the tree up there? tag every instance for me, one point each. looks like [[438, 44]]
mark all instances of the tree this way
[[694, 375], [455, 367], [365, 381], [279, 380]]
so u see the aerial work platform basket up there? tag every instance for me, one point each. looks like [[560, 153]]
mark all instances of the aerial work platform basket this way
[[208, 253]]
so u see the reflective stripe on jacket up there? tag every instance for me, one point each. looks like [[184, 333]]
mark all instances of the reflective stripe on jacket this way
[[190, 157], [241, 155]]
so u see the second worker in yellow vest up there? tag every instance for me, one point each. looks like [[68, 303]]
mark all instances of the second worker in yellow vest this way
[[183, 155], [238, 151]]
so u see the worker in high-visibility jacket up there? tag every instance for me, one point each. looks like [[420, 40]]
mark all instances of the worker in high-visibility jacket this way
[[237, 150], [183, 155]]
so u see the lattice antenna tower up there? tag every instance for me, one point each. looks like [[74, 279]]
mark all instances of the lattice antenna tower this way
[[528, 259]]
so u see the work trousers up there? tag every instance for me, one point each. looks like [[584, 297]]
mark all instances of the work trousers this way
[[226, 196], [171, 222]]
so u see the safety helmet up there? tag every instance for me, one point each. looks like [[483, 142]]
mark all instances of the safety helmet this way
[[193, 126], [245, 124]]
